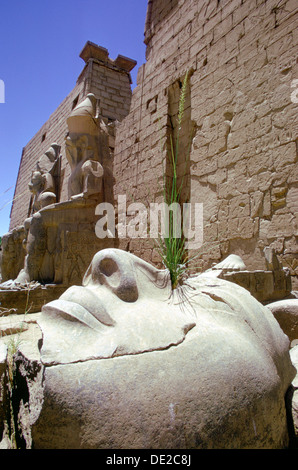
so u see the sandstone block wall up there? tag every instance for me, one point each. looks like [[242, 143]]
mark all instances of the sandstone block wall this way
[[242, 56], [110, 82], [54, 130]]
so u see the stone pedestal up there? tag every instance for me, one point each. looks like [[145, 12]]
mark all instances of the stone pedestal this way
[[66, 242], [265, 286], [60, 246]]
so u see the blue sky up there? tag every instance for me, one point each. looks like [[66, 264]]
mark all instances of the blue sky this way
[[40, 43]]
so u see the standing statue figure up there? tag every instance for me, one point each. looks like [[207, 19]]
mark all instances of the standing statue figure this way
[[85, 143]]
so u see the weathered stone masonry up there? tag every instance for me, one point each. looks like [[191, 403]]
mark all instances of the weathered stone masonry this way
[[110, 82], [237, 387], [242, 56]]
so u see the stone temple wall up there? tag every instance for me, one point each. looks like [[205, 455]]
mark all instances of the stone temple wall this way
[[242, 57], [110, 82]]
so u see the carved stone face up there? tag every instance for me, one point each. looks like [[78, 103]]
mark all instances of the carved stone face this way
[[117, 311], [133, 362], [36, 182], [126, 306]]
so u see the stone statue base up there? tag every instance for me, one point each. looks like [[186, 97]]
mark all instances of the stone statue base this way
[[60, 244], [21, 300], [66, 232], [265, 286]]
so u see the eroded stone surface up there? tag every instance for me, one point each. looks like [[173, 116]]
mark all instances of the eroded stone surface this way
[[58, 238], [208, 381], [122, 308], [286, 313], [294, 397], [221, 385], [86, 146], [3, 367]]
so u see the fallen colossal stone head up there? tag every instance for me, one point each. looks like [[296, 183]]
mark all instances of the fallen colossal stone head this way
[[130, 364]]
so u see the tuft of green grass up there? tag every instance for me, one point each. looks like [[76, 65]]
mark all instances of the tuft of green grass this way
[[172, 248]]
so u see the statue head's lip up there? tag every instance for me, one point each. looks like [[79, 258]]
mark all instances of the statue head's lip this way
[[84, 302], [74, 312]]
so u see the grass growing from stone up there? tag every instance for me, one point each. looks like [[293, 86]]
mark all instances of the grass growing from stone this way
[[172, 248]]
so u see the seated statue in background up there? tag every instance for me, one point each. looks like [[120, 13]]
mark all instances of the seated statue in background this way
[[44, 193], [42, 188], [42, 184], [86, 177], [86, 145]]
